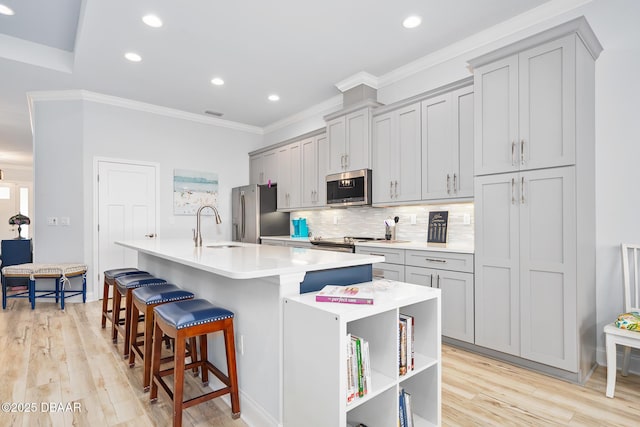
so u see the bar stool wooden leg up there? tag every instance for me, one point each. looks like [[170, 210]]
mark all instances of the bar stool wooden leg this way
[[155, 361], [231, 368], [178, 380], [204, 356], [115, 314]]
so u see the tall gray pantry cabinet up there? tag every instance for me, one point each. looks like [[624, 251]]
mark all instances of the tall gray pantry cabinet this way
[[535, 200]]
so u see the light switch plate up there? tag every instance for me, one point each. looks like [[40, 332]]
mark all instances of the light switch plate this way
[[413, 219], [52, 220], [65, 220]]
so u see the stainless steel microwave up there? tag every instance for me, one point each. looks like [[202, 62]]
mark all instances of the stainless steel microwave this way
[[349, 188]]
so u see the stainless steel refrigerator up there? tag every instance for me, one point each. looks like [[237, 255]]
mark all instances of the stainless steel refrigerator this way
[[254, 214]]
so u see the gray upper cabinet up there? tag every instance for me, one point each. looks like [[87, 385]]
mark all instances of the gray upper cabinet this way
[[349, 141], [263, 168], [528, 103], [289, 176], [447, 145], [396, 155], [314, 171]]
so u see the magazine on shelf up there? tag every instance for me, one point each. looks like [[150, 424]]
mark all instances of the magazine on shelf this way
[[346, 294]]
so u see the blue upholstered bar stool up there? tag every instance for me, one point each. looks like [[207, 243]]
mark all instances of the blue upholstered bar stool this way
[[182, 320], [124, 286], [110, 277], [144, 301]]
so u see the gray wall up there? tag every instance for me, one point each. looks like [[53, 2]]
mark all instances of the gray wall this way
[[71, 134]]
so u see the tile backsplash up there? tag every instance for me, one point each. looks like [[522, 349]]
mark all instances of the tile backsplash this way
[[369, 222]]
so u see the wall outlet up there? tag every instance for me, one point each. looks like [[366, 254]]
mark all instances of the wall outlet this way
[[65, 220], [413, 219], [52, 220], [466, 219]]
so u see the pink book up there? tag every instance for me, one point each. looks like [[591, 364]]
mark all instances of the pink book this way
[[346, 294]]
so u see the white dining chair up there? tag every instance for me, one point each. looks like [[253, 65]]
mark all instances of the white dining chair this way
[[615, 335]]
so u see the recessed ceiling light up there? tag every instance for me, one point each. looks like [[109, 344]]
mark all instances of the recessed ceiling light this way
[[273, 97], [412, 21], [6, 10], [152, 21], [133, 57], [217, 81]]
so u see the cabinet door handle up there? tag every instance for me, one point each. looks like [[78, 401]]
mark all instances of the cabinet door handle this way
[[391, 189], [522, 191], [431, 280], [455, 183], [522, 152], [448, 187], [435, 260], [438, 281], [346, 160], [513, 191], [396, 189], [513, 153]]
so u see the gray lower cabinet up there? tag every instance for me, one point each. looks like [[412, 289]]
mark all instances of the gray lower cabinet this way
[[451, 272], [526, 288], [383, 270], [392, 268]]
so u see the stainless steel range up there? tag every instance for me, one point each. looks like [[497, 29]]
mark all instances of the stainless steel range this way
[[340, 244]]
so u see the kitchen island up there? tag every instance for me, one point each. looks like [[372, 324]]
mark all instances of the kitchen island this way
[[252, 281]]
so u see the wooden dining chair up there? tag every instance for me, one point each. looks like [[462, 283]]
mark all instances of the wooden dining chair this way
[[621, 332]]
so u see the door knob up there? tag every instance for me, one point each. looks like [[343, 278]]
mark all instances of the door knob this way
[[151, 236]]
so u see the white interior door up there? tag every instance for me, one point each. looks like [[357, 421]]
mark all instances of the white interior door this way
[[127, 204]]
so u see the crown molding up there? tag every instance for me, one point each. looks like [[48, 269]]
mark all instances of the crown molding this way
[[329, 105], [509, 28], [359, 78], [84, 95]]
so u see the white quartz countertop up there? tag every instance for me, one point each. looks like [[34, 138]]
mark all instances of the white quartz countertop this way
[[397, 244], [247, 260]]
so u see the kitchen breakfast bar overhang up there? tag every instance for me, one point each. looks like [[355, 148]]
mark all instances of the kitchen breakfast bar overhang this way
[[251, 280]]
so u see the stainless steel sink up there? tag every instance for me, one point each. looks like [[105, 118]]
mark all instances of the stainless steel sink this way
[[223, 246]]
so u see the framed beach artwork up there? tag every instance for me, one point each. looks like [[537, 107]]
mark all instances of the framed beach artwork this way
[[192, 189]]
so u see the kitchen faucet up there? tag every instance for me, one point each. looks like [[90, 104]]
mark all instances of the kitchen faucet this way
[[197, 237]]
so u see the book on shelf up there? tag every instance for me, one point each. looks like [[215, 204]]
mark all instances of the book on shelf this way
[[402, 347], [346, 294], [409, 323], [402, 411], [358, 368], [351, 390]]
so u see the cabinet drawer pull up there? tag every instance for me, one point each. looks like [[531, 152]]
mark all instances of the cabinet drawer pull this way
[[436, 260], [373, 253]]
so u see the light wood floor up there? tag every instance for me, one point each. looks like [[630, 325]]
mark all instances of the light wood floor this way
[[50, 356]]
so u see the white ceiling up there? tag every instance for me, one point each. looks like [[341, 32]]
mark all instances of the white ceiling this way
[[297, 49]]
